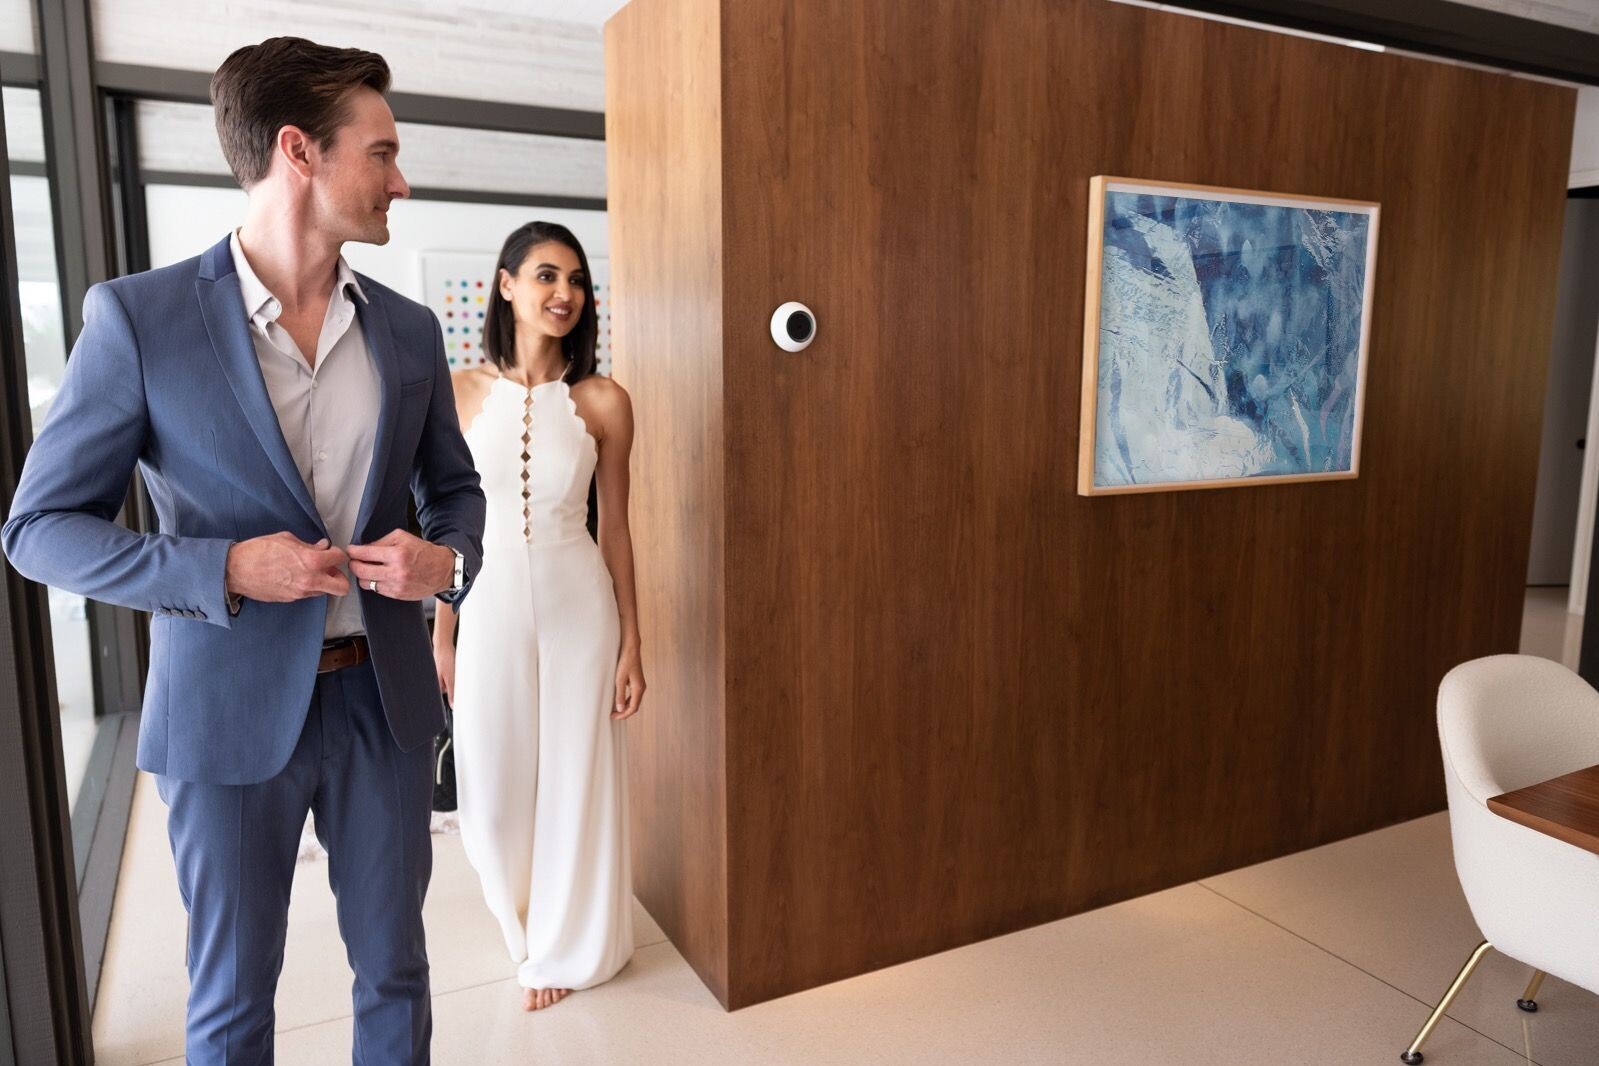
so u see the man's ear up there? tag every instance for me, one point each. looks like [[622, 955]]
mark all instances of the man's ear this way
[[295, 148]]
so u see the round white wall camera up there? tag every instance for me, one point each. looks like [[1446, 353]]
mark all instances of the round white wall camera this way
[[793, 327]]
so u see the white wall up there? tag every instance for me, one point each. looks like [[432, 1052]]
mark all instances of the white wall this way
[[1565, 412], [1585, 172], [185, 221], [1585, 139]]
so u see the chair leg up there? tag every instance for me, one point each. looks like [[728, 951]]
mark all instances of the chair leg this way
[[1412, 1055], [1529, 1001]]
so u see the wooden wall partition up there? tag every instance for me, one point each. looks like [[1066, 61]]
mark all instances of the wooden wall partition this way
[[663, 154], [937, 695]]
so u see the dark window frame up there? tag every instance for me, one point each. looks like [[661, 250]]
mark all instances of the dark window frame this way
[[45, 1016], [86, 248]]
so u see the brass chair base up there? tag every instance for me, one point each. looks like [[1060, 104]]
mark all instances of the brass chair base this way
[[1412, 1055], [1528, 1001]]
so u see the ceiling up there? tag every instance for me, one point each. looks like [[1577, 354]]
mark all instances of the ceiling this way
[[1574, 14]]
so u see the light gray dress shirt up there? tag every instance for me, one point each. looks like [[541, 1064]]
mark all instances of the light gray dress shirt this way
[[327, 408]]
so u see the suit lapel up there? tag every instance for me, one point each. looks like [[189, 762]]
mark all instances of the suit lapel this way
[[222, 306], [385, 359]]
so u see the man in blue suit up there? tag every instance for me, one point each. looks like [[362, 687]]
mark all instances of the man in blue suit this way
[[280, 407]]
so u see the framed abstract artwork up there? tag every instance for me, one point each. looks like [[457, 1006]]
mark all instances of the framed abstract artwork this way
[[1225, 337]]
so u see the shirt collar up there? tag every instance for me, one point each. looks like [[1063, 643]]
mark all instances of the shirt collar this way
[[347, 279], [258, 299]]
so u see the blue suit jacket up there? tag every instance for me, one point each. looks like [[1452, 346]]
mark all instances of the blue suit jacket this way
[[165, 375]]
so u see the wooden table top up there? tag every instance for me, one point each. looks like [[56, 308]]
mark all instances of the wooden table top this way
[[1566, 807]]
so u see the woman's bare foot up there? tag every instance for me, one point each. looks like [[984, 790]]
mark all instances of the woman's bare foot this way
[[539, 998]]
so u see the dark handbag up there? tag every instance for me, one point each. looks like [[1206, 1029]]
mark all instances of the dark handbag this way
[[444, 763]]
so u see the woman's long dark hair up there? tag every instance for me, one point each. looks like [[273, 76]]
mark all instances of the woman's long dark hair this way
[[499, 321]]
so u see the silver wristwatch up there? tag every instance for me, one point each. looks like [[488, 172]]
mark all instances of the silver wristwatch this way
[[458, 582]]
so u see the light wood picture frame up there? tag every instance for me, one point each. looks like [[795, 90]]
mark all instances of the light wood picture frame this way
[[1225, 337]]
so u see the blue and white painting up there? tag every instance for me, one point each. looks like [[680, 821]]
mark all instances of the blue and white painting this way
[[1231, 339]]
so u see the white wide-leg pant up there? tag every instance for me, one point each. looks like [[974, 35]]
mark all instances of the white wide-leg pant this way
[[540, 765]]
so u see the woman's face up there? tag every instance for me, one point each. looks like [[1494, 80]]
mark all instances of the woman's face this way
[[547, 291]]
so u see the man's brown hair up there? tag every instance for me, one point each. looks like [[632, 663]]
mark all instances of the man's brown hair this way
[[286, 81]]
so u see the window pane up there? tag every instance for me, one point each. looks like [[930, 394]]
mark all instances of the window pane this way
[[45, 348], [540, 52], [182, 139], [17, 27], [432, 244]]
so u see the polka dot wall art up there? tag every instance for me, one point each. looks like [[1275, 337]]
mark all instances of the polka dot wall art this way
[[457, 287]]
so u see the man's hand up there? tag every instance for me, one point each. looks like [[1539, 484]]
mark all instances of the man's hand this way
[[281, 568], [405, 567]]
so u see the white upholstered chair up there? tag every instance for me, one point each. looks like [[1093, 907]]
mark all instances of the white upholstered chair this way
[[1506, 722]]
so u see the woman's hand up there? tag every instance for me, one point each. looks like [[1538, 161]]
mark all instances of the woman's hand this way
[[444, 667], [629, 685]]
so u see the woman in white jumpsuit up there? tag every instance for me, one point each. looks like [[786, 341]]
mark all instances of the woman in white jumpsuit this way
[[546, 666]]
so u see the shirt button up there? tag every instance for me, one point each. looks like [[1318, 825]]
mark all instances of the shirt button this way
[[320, 456], [313, 386]]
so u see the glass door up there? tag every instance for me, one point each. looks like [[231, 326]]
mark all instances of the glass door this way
[[45, 356], [44, 1006]]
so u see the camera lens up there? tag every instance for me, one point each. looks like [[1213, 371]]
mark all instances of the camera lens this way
[[799, 326], [793, 326]]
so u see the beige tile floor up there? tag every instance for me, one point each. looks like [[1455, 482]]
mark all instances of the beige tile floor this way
[[1547, 630], [1331, 956]]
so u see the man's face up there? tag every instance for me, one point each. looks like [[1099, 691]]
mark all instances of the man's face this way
[[357, 177]]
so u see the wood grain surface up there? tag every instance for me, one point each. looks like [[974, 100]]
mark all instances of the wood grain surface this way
[[663, 153], [1565, 807], [958, 698]]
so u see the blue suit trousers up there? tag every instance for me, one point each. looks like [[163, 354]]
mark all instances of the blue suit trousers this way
[[235, 848]]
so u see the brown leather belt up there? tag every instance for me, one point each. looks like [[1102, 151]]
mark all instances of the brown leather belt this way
[[338, 654]]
